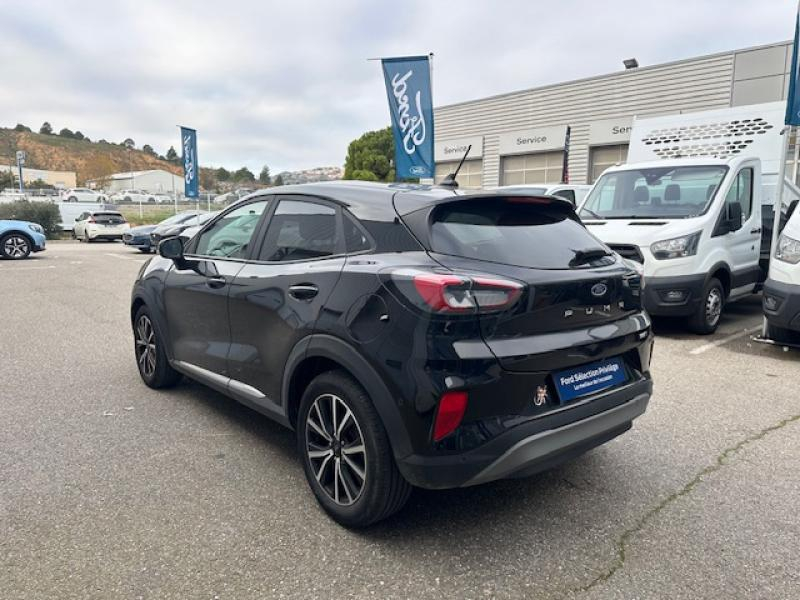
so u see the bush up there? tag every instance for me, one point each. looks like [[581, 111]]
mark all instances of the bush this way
[[45, 214]]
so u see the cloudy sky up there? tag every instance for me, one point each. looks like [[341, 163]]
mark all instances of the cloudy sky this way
[[287, 83]]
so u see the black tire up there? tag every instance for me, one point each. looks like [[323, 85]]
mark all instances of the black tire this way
[[74, 237], [127, 199], [15, 246], [72, 199], [383, 489], [144, 250], [154, 369], [706, 318]]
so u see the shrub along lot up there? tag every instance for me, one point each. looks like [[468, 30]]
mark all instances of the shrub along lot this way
[[45, 214]]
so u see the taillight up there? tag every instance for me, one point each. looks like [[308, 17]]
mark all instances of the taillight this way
[[449, 414], [91, 220], [454, 293]]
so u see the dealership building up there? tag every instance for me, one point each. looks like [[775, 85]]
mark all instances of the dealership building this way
[[519, 137]]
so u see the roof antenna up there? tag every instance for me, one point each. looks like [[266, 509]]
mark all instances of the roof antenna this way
[[450, 180]]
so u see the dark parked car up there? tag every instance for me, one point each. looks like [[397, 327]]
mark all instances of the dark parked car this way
[[411, 335], [139, 237], [165, 230]]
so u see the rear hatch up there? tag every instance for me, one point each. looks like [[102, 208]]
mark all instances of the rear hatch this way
[[108, 218], [575, 290]]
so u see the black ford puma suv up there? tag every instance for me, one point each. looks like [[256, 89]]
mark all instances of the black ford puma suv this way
[[410, 335]]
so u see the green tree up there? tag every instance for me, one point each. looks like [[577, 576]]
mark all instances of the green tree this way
[[244, 175], [129, 143], [278, 180], [20, 127], [66, 133], [46, 128], [370, 157], [172, 156], [222, 174], [148, 149], [264, 177], [79, 136], [7, 180]]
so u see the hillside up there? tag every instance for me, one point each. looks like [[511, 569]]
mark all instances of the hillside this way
[[90, 160]]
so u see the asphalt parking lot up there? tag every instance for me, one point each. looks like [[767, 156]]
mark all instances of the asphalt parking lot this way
[[109, 489]]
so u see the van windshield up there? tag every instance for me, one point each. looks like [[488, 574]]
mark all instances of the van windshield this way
[[660, 192]]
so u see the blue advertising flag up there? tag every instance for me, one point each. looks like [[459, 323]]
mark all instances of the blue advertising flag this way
[[190, 166], [408, 88], [793, 99]]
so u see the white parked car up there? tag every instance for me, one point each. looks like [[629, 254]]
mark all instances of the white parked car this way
[[133, 196], [94, 225], [83, 195]]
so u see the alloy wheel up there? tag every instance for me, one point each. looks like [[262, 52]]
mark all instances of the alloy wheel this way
[[16, 246], [145, 346], [713, 306], [336, 450]]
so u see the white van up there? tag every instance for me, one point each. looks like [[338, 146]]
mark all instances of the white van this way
[[782, 288], [688, 205], [574, 192]]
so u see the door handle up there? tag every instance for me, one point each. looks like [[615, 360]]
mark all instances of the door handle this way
[[303, 291], [756, 230], [216, 282]]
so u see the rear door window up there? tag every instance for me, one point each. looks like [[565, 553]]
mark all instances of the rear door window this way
[[301, 230], [514, 231]]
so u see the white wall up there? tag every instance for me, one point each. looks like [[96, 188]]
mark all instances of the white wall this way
[[689, 85]]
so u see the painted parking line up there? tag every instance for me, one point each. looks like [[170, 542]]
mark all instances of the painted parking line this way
[[25, 268], [121, 257], [723, 341]]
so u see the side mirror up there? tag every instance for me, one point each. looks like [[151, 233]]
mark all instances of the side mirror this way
[[171, 248], [77, 219], [734, 216]]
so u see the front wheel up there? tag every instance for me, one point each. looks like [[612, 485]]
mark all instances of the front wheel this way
[[15, 246], [347, 458], [706, 318], [151, 359]]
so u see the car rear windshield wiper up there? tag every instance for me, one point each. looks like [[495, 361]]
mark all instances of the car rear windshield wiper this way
[[584, 256]]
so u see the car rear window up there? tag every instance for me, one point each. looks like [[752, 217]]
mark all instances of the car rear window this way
[[108, 217], [525, 232]]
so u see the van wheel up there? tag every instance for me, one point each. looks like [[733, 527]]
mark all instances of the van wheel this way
[[346, 454], [707, 317]]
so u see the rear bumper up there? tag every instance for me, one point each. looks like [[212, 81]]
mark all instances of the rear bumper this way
[[657, 303], [105, 236], [534, 446], [784, 304]]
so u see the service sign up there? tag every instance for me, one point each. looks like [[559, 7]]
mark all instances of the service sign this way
[[533, 140], [408, 89], [610, 131], [453, 150]]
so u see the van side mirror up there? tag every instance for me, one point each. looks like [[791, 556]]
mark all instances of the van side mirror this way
[[171, 248], [734, 216]]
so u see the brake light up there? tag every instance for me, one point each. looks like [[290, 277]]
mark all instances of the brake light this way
[[452, 406], [455, 293]]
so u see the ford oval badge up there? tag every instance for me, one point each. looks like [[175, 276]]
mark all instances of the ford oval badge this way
[[599, 290]]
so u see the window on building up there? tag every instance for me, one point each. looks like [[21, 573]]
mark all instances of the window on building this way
[[542, 167], [603, 157], [470, 175]]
